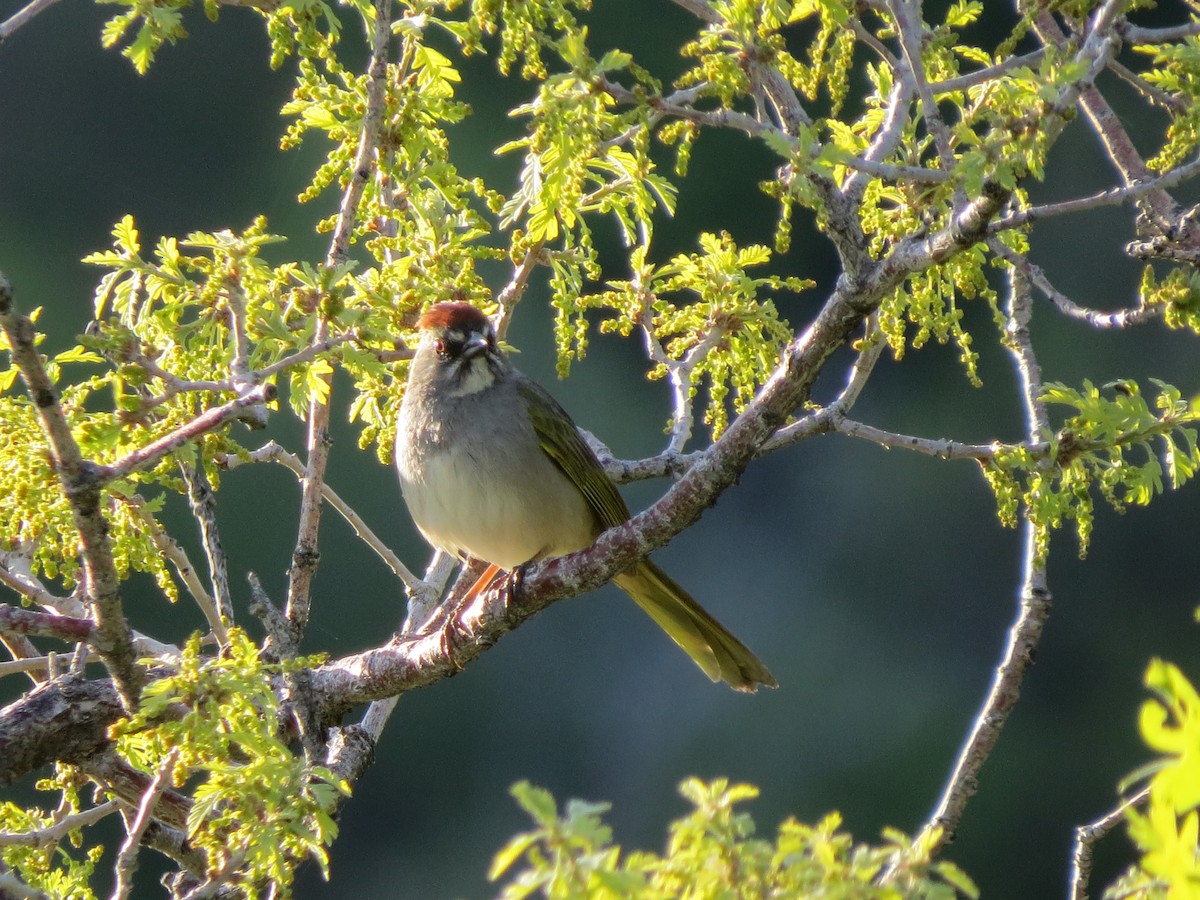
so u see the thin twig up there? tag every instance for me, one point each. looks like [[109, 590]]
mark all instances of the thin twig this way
[[1135, 34], [204, 510], [21, 649], [126, 863], [423, 601], [14, 620], [886, 139], [679, 374], [942, 449], [177, 556], [1156, 96], [511, 295], [210, 420], [273, 452], [22, 17], [32, 590], [983, 76], [52, 835], [1086, 838], [1122, 318], [739, 121], [1034, 599], [306, 355], [911, 31], [1131, 192]]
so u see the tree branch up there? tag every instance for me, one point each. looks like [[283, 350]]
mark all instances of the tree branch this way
[[14, 620], [81, 485], [306, 554], [22, 17], [204, 510], [273, 452], [1129, 193], [210, 420], [1032, 612], [1086, 838], [53, 835], [126, 864], [65, 719]]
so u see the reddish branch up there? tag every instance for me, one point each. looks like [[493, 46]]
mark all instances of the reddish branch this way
[[14, 620]]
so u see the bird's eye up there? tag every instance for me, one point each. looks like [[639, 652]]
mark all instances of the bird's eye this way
[[440, 347]]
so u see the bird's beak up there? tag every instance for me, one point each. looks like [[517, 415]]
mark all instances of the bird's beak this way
[[476, 346]]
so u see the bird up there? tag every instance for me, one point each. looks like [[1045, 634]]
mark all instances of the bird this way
[[493, 468]]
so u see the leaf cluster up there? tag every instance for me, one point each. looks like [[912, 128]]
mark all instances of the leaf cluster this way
[[258, 809], [1166, 828], [712, 853], [57, 870], [728, 333], [1113, 442]]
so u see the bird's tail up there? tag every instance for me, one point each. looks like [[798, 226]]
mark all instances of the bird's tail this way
[[710, 645]]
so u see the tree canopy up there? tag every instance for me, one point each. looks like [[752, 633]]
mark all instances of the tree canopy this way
[[912, 178]]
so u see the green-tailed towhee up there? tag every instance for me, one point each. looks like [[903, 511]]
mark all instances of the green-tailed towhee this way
[[493, 468]]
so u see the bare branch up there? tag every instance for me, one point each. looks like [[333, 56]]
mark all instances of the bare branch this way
[[911, 31], [40, 667], [273, 452], [32, 590], [14, 620], [53, 835], [172, 551], [306, 354], [22, 17], [942, 449], [1120, 319], [126, 863], [131, 786], [1131, 192], [886, 139], [210, 420], [1155, 95], [1134, 34], [306, 553], [204, 510], [1086, 838], [982, 76], [513, 291], [1034, 601]]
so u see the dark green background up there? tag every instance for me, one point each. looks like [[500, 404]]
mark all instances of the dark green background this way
[[877, 585]]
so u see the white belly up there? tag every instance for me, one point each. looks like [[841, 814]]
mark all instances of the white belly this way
[[472, 507]]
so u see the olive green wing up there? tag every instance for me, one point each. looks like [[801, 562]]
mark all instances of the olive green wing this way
[[561, 441]]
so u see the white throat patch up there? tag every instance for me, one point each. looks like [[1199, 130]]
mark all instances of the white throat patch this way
[[478, 376]]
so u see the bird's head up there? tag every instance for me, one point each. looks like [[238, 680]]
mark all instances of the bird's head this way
[[458, 344]]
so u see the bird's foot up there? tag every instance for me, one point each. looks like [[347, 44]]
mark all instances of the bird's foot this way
[[513, 582]]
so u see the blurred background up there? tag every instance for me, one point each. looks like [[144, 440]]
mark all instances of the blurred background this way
[[876, 585]]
